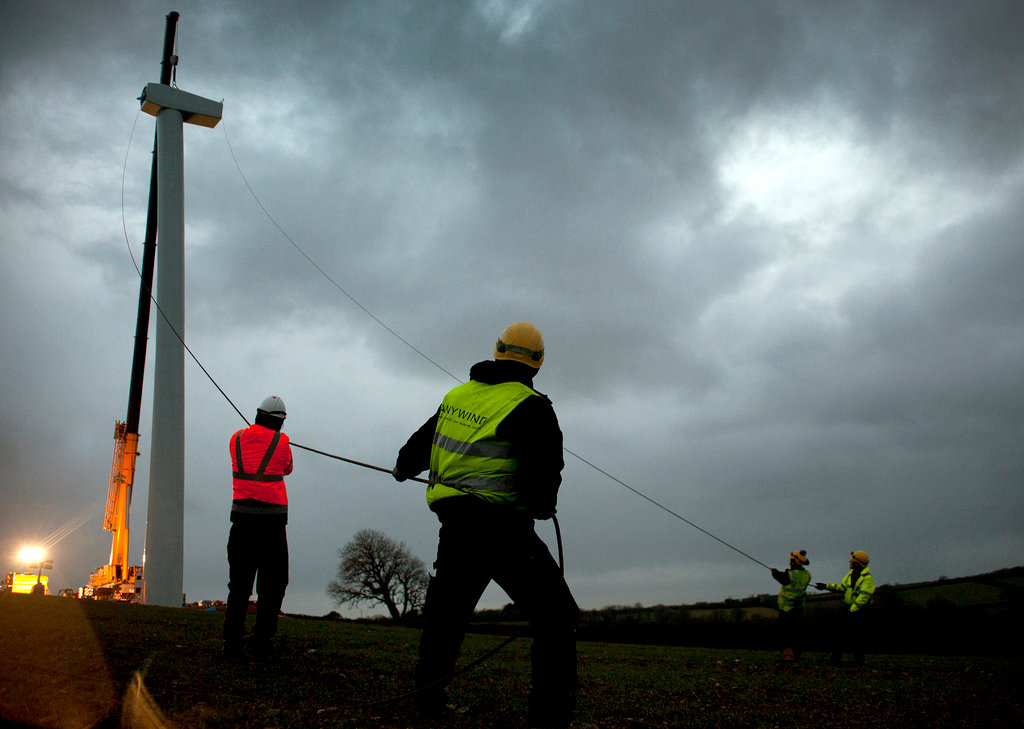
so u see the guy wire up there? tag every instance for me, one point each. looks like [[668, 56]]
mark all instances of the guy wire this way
[[397, 336], [149, 292], [322, 272], [663, 507], [436, 364]]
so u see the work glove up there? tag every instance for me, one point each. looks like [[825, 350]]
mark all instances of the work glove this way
[[398, 476], [820, 586], [540, 504], [542, 514]]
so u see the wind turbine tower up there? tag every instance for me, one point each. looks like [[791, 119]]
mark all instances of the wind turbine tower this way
[[163, 558]]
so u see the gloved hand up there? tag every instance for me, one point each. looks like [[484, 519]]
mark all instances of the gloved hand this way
[[539, 504], [820, 586], [398, 477], [542, 514], [777, 574]]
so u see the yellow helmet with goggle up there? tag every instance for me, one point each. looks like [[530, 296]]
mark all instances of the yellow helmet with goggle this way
[[521, 342]]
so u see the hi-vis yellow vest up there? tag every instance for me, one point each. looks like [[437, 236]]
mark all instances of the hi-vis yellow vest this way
[[792, 595], [466, 455], [858, 595]]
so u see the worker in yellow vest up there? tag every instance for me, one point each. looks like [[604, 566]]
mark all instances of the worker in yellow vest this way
[[494, 450], [794, 583], [857, 588]]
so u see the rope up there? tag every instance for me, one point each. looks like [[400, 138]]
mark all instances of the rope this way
[[354, 463], [554, 519], [444, 679], [558, 540], [557, 530], [149, 291], [665, 508], [397, 336], [320, 270], [472, 664], [433, 362]]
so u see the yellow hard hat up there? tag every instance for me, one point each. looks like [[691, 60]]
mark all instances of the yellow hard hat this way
[[521, 342], [799, 557], [859, 556]]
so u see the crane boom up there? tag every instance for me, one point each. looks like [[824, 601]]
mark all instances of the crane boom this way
[[117, 580], [119, 493]]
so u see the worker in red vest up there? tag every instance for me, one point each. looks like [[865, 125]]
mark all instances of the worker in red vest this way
[[257, 546]]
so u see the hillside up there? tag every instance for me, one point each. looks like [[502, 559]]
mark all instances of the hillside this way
[[85, 664], [964, 615]]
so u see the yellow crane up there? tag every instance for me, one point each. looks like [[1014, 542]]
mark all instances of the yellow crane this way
[[117, 580]]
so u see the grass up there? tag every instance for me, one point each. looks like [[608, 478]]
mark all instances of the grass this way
[[70, 663]]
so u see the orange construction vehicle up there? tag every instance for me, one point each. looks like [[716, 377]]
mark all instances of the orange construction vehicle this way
[[116, 580], [24, 583]]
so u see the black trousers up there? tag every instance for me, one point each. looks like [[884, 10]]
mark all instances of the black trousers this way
[[854, 631], [788, 626], [257, 552], [479, 542]]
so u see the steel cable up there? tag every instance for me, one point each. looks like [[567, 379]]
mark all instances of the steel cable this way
[[397, 336]]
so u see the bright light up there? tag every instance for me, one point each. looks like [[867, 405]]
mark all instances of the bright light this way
[[31, 554]]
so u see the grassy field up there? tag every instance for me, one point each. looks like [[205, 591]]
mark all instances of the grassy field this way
[[71, 663]]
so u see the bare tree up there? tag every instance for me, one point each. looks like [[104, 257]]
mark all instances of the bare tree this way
[[374, 568]]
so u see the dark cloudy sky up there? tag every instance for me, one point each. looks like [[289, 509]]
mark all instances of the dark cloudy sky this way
[[775, 249]]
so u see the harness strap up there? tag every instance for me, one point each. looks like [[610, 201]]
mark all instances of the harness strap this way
[[260, 474]]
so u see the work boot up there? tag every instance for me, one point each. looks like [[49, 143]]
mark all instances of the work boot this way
[[232, 651], [549, 719], [551, 708], [431, 704], [262, 650]]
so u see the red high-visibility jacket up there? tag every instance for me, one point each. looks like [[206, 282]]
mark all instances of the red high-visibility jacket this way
[[260, 459]]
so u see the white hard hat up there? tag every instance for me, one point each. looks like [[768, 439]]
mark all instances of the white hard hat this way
[[273, 405]]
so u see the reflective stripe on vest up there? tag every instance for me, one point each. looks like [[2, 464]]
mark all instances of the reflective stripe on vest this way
[[259, 476], [466, 455]]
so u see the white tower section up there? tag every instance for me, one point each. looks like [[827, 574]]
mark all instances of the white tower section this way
[[163, 558]]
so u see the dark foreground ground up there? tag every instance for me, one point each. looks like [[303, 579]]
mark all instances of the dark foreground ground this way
[[71, 663]]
